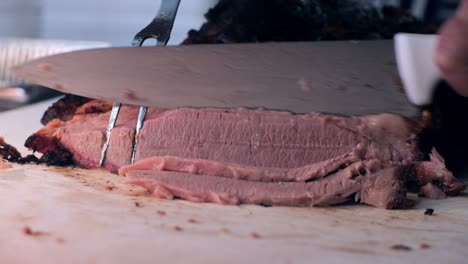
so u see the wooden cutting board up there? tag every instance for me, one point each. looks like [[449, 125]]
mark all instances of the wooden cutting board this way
[[92, 216]]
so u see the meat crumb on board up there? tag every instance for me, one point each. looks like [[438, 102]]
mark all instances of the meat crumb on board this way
[[60, 240], [254, 235], [429, 211], [161, 212], [29, 232], [137, 204], [192, 221], [401, 247], [178, 228], [424, 246]]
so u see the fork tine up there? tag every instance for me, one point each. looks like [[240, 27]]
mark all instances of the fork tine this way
[[161, 26], [112, 120], [160, 29], [139, 126]]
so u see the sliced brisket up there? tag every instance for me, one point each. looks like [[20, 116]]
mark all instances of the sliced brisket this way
[[8, 152], [336, 188], [256, 156], [233, 156], [63, 109], [434, 177], [371, 182], [230, 170], [255, 138], [385, 188]]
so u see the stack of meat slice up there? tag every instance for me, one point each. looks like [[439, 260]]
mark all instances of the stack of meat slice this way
[[234, 156], [257, 156]]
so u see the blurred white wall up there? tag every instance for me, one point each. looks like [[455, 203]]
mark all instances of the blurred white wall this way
[[20, 18], [115, 21]]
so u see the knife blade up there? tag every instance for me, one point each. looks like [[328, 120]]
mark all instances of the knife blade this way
[[341, 77]]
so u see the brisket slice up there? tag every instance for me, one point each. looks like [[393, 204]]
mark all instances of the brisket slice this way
[[255, 156], [8, 152], [256, 138], [369, 181], [69, 105], [435, 179], [385, 188], [214, 168], [336, 188], [63, 109]]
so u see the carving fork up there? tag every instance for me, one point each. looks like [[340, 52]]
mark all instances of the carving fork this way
[[160, 30]]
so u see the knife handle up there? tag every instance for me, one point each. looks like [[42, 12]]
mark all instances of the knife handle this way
[[416, 66]]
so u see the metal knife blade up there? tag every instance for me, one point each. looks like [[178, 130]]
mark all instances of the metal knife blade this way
[[342, 77]]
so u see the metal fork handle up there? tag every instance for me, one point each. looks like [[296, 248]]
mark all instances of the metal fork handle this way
[[160, 29], [161, 26], [139, 126], [112, 120]]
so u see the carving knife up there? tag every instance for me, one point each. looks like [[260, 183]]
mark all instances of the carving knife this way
[[340, 77]]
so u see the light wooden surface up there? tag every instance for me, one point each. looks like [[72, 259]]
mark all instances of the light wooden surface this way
[[91, 217]]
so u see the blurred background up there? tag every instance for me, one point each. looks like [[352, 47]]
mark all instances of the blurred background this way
[[116, 21], [113, 22]]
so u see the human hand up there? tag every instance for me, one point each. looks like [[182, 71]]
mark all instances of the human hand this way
[[452, 50]]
